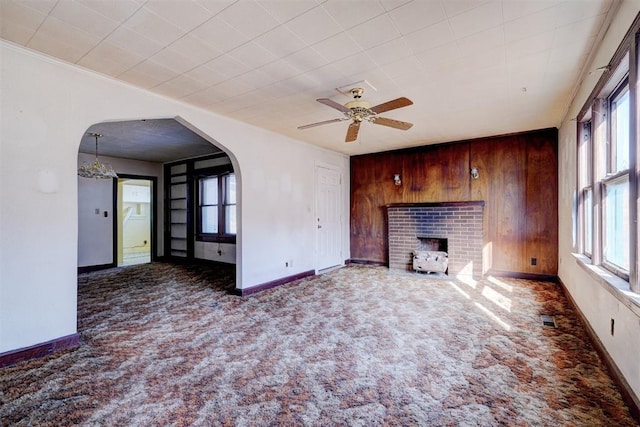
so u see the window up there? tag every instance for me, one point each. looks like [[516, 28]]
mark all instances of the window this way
[[606, 181], [217, 207]]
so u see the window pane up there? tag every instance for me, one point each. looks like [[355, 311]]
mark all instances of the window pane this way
[[588, 221], [209, 219], [230, 183], [230, 219], [209, 191], [616, 226], [621, 129]]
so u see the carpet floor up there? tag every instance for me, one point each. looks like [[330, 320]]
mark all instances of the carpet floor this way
[[167, 344]]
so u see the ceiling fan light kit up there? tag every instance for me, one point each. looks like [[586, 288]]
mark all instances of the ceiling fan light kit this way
[[358, 111]]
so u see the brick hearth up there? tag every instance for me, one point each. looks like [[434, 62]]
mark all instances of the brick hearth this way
[[461, 223]]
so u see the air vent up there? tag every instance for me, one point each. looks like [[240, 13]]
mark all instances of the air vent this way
[[548, 320]]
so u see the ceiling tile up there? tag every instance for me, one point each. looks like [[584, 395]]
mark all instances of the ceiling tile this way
[[215, 6], [59, 33], [18, 14], [84, 18], [285, 10], [314, 26], [517, 9], [530, 25], [196, 49], [204, 98], [329, 76], [280, 70], [56, 48], [356, 64], [305, 60], [228, 66], [482, 41], [478, 19], [374, 32], [179, 87], [390, 5], [220, 35], [256, 79], [337, 47], [530, 45], [253, 55], [15, 33], [408, 65], [390, 51], [571, 11], [230, 88], [206, 75], [110, 59], [581, 30], [134, 42], [430, 37], [249, 18], [42, 6], [456, 7], [185, 15], [280, 41], [117, 10], [417, 15], [174, 60], [148, 74], [152, 26], [349, 13]]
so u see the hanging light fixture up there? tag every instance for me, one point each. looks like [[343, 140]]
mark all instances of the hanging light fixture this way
[[96, 169]]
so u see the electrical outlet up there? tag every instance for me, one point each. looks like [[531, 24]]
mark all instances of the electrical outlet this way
[[286, 263], [534, 261]]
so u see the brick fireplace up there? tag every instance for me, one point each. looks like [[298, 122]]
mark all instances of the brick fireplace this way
[[459, 224]]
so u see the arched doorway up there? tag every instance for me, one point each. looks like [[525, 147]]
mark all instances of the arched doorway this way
[[155, 149]]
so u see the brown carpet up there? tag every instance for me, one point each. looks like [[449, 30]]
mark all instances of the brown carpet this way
[[362, 346]]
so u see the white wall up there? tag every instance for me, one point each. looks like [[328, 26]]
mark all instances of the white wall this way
[[46, 106], [95, 232], [595, 302]]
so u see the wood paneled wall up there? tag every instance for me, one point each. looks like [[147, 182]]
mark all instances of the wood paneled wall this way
[[518, 183]]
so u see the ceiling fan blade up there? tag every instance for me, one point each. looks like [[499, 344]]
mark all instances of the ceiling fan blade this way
[[333, 104], [352, 132], [391, 105], [391, 123], [322, 123]]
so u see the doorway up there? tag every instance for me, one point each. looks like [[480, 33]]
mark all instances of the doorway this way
[[328, 217], [134, 231]]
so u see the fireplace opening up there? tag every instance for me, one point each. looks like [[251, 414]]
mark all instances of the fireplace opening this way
[[431, 255]]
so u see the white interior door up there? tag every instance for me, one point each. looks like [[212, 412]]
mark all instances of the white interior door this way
[[328, 219]]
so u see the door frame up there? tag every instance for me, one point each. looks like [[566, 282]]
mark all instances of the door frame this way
[[340, 171], [152, 209]]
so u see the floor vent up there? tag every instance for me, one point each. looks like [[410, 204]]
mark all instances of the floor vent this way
[[548, 321]]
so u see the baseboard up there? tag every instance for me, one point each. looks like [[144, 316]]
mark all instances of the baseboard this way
[[274, 283], [630, 398], [366, 262], [39, 350], [528, 276], [90, 268]]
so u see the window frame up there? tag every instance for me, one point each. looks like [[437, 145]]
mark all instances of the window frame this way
[[597, 168], [222, 235]]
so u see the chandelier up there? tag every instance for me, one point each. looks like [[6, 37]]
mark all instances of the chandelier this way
[[96, 169]]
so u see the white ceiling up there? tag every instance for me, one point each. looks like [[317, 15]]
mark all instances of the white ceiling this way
[[472, 68]]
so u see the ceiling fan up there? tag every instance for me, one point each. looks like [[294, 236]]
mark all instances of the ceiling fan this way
[[358, 111]]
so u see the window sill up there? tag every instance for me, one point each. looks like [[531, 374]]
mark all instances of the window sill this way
[[616, 286]]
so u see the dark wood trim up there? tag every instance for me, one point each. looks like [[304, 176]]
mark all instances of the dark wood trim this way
[[435, 204], [527, 276], [90, 268], [366, 262], [39, 350], [630, 398], [274, 283]]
